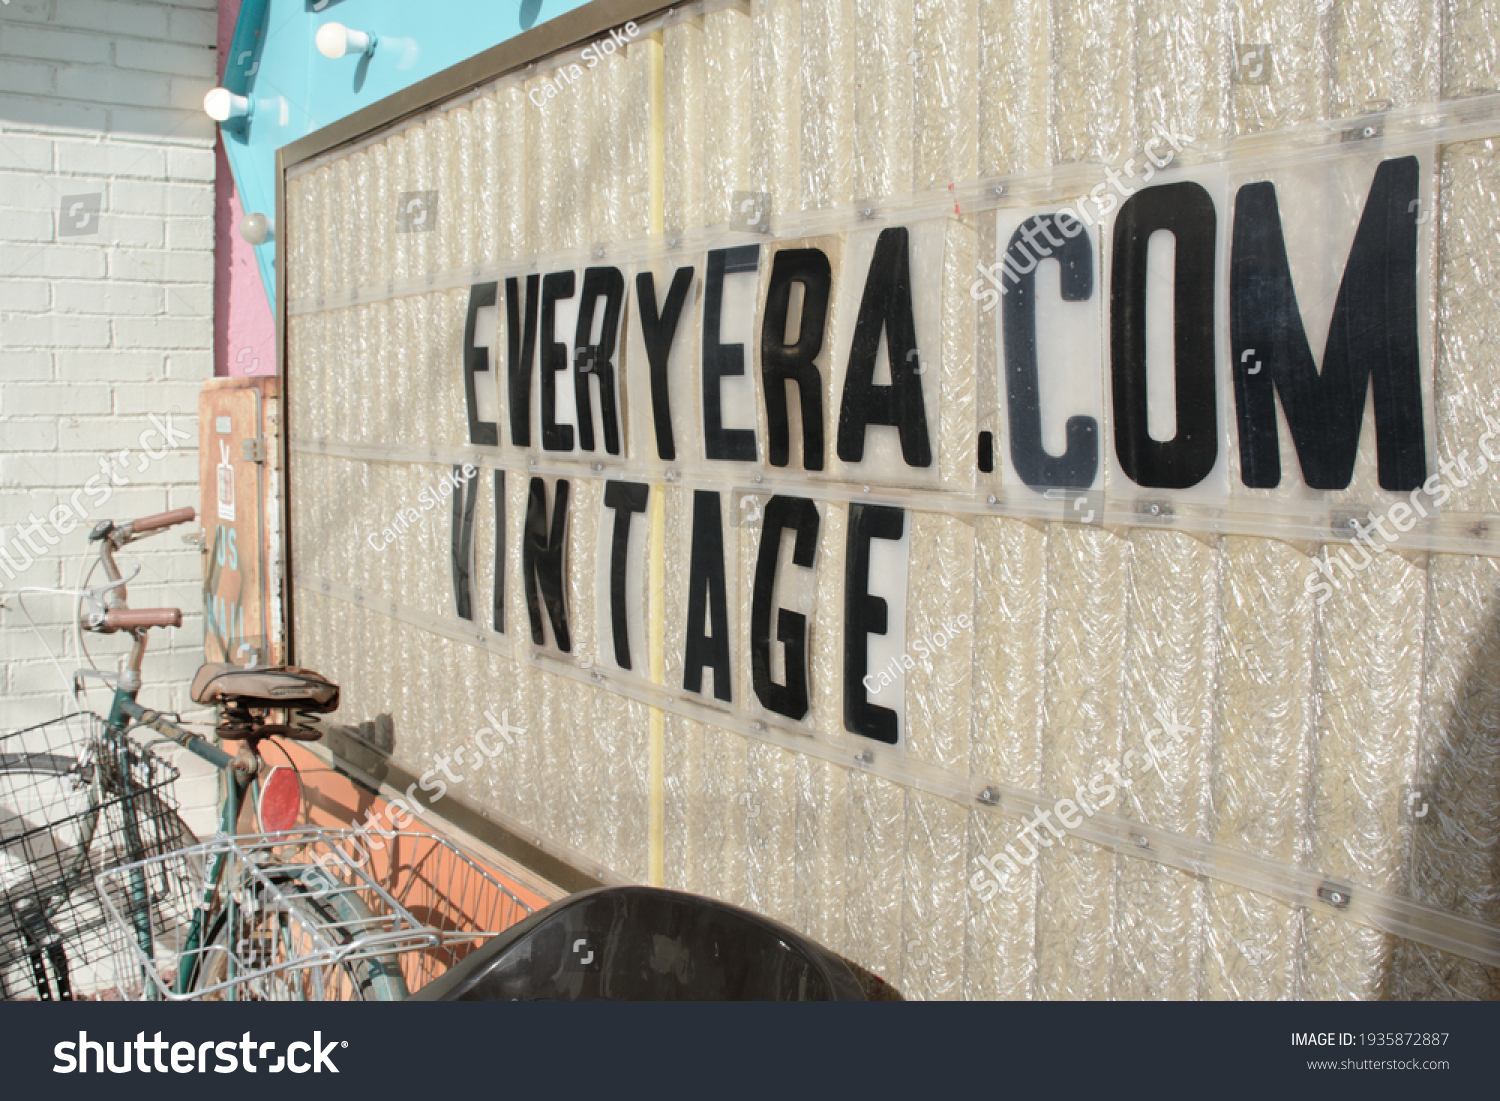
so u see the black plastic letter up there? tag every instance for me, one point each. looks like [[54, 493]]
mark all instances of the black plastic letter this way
[[626, 499], [866, 615], [886, 305], [481, 295], [555, 437], [707, 598], [521, 337], [543, 561], [597, 360], [465, 497], [790, 699], [722, 361], [1186, 210], [498, 601], [1078, 466], [782, 363], [1372, 342], [657, 332]]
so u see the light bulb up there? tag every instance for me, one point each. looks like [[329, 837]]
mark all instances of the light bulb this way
[[256, 228], [336, 40], [221, 105]]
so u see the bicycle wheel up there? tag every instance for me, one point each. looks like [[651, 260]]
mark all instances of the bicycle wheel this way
[[56, 834], [264, 953]]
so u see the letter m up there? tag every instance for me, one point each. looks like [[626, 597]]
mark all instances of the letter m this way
[[1372, 340]]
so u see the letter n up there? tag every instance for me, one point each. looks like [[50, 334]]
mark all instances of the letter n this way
[[543, 558]]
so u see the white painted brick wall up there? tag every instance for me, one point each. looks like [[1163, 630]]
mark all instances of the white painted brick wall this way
[[100, 330]]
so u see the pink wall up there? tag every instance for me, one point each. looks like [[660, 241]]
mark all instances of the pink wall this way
[[244, 330]]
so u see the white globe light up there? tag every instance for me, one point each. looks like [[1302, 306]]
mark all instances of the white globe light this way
[[255, 228], [336, 40], [221, 105]]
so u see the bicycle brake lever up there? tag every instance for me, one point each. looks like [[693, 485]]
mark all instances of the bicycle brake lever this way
[[95, 597]]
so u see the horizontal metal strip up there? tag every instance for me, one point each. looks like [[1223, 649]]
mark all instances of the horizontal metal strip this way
[[1453, 533], [1326, 895]]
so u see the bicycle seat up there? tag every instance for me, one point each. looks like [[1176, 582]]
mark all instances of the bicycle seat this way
[[273, 686]]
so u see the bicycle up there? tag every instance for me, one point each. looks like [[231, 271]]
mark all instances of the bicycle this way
[[281, 914]]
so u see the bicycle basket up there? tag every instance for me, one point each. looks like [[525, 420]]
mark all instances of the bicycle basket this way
[[306, 915], [76, 797]]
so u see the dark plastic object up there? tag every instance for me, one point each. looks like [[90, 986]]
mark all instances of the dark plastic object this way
[[646, 944]]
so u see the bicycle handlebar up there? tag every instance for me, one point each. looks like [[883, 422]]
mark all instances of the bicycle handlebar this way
[[130, 619], [162, 520]]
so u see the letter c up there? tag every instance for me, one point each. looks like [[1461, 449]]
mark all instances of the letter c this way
[[371, 540], [869, 687], [291, 1060], [531, 95]]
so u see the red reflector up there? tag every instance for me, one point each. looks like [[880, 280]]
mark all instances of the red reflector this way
[[280, 800]]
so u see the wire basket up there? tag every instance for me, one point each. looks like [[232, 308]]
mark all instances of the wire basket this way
[[76, 798], [306, 915]]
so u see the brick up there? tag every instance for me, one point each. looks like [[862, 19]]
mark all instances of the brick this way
[[190, 302], [111, 86], [196, 165], [116, 17], [152, 122], [159, 332], [110, 159], [24, 434], [196, 28], [167, 57], [193, 234], [30, 78], [156, 197], [31, 397], [166, 267], [23, 153], [54, 114], [26, 295], [144, 231], [111, 434], [114, 364], [25, 331], [110, 297], [29, 191], [56, 44], [156, 397], [28, 11], [190, 365], [26, 225], [26, 366], [53, 261], [51, 469]]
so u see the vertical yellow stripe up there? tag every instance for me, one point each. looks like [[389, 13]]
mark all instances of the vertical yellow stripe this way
[[657, 865]]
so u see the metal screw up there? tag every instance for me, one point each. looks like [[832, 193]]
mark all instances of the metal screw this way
[[992, 499], [990, 797], [757, 479]]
